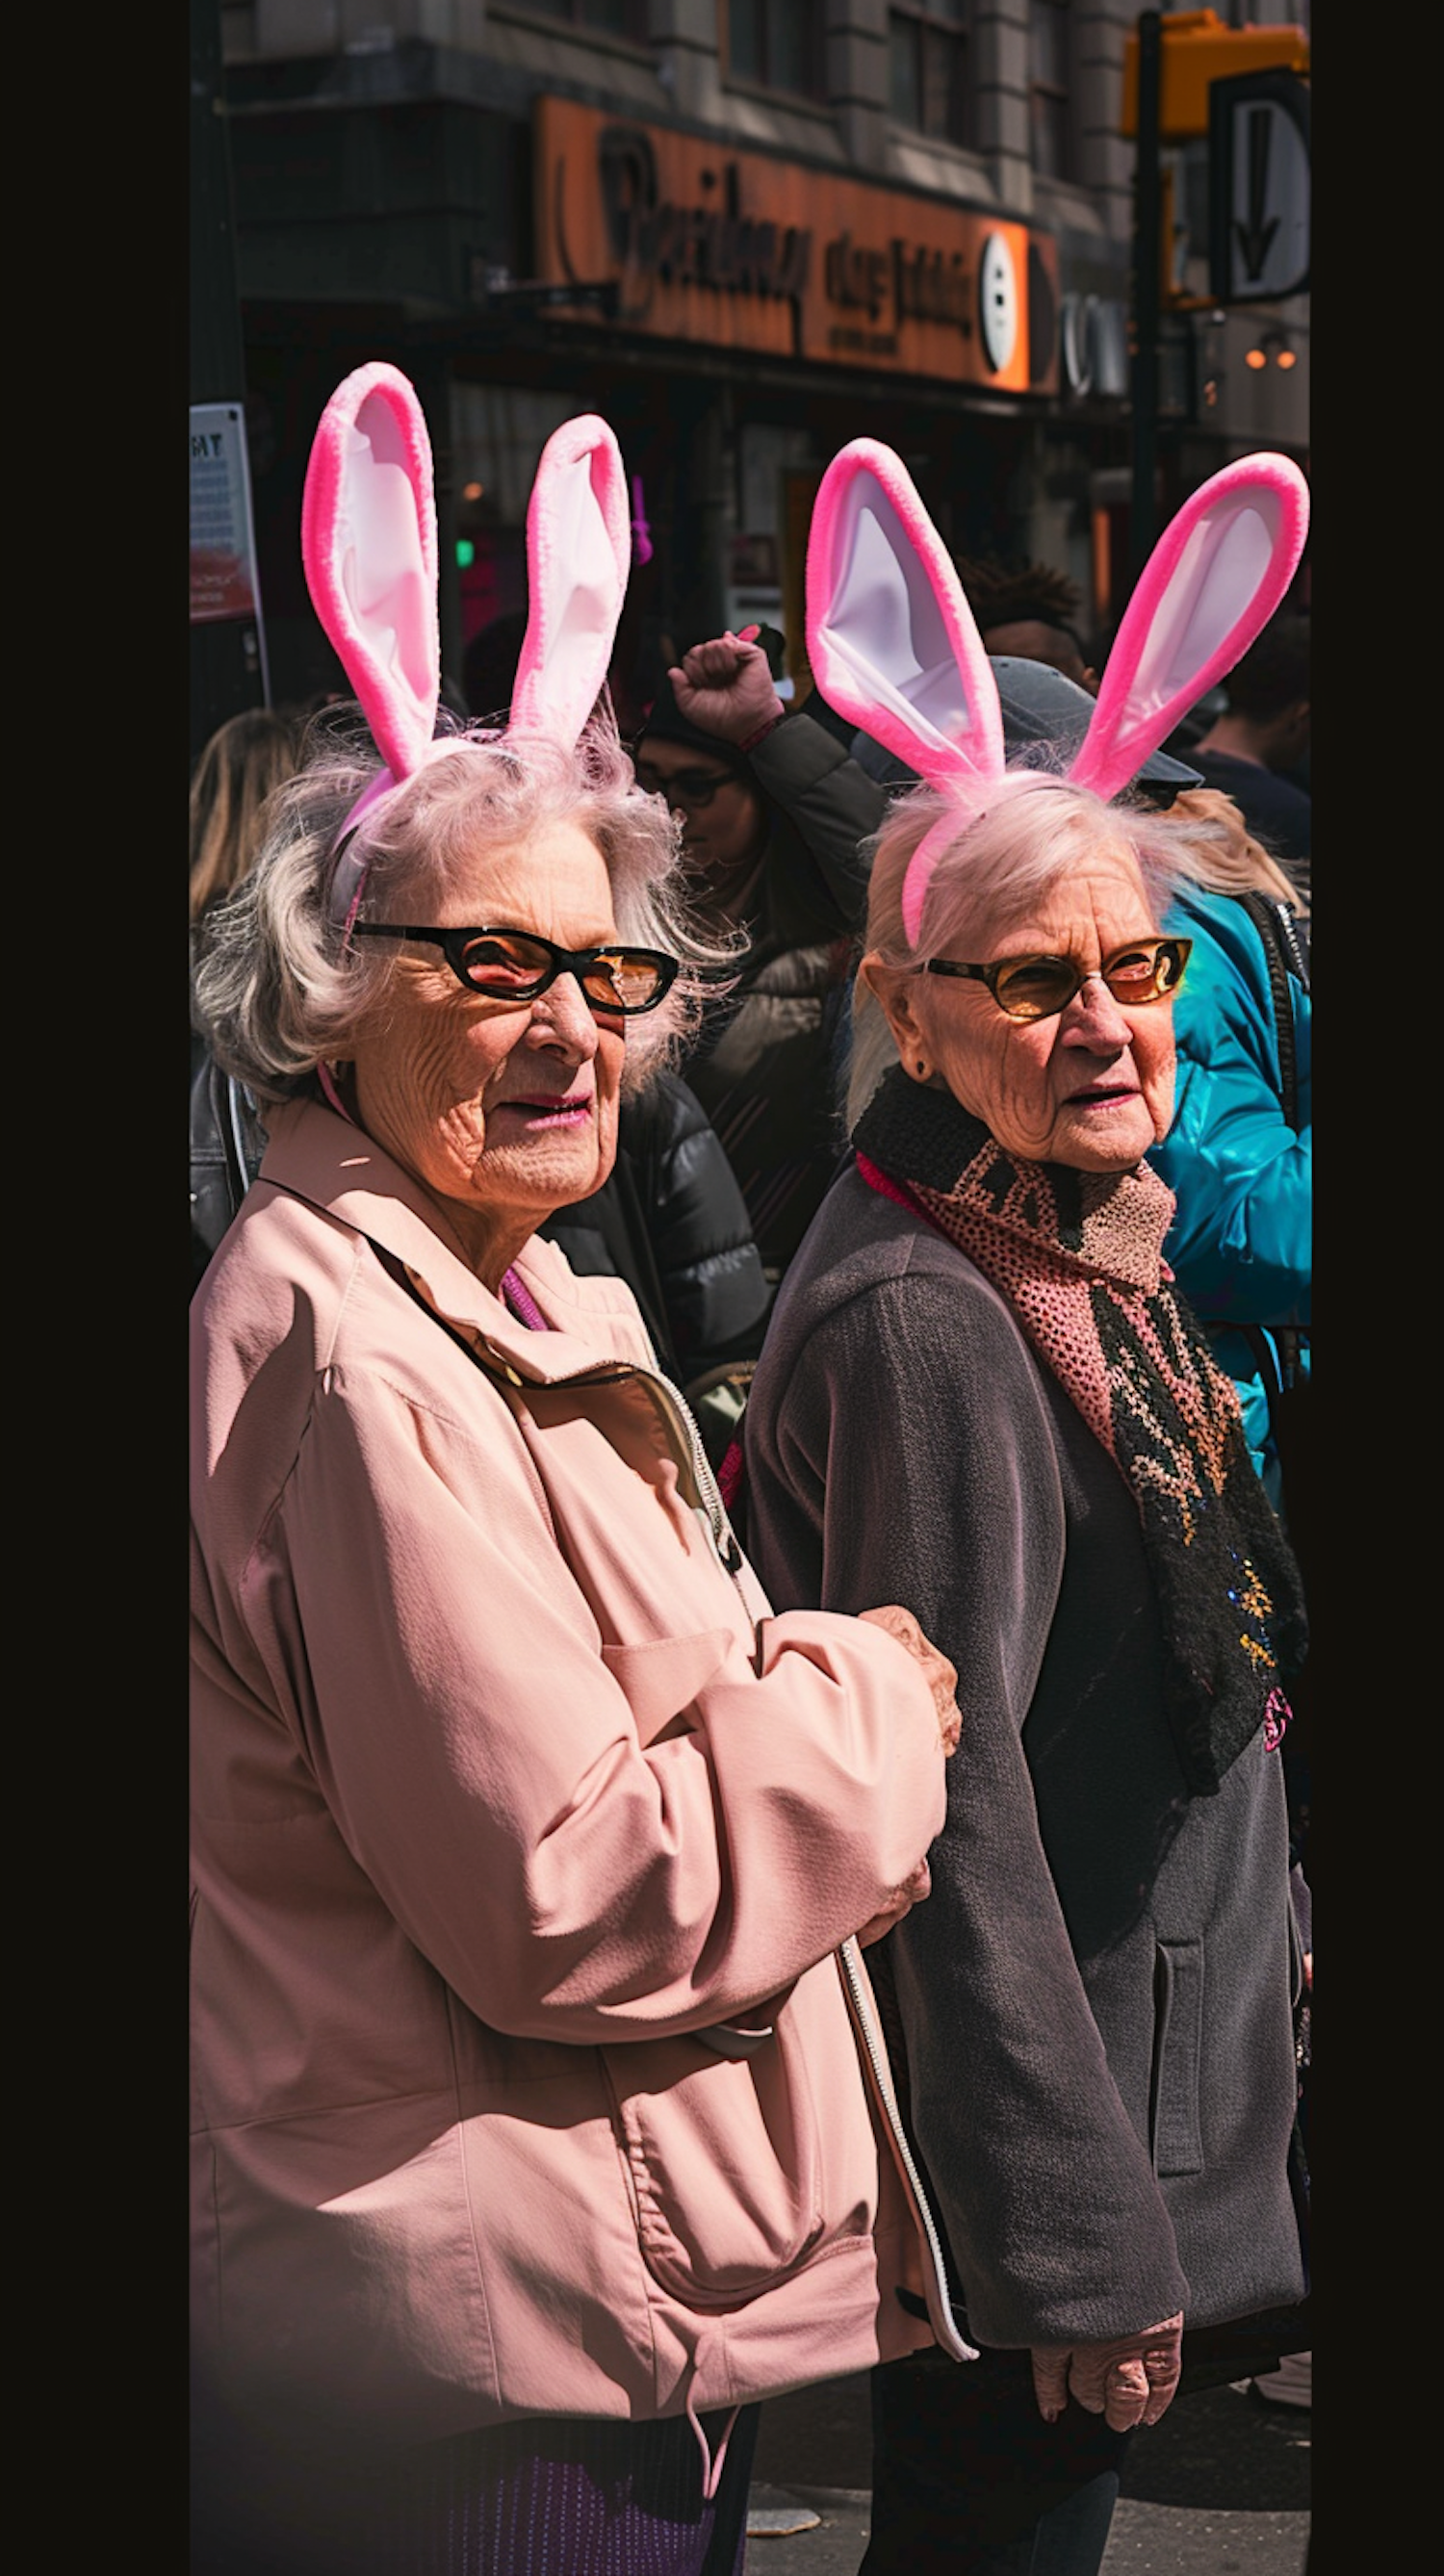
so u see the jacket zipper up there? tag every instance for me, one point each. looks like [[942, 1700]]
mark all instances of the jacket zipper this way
[[709, 1508], [939, 2303], [712, 1512], [711, 1505]]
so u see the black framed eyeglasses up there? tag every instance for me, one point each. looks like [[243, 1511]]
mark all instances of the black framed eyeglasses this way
[[516, 965], [692, 789], [1037, 988]]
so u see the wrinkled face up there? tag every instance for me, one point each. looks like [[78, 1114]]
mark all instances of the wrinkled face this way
[[723, 820], [1091, 1087], [504, 1111]]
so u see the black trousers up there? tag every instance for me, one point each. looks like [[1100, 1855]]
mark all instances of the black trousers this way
[[968, 2480]]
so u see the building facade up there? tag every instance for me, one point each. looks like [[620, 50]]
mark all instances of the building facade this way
[[744, 231]]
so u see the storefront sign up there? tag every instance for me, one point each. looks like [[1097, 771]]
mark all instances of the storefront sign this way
[[737, 249]]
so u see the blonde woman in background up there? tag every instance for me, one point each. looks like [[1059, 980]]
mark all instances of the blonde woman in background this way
[[244, 759]]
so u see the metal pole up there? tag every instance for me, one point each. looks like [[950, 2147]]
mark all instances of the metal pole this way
[[1147, 214]]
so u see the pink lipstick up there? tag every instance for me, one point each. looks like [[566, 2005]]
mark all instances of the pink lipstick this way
[[572, 1111]]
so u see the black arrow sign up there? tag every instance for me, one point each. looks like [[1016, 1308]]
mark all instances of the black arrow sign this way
[[1255, 236], [1254, 257]]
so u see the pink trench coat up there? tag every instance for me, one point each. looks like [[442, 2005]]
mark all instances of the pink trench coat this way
[[506, 1791]]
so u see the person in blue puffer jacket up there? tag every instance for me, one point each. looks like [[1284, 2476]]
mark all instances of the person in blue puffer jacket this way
[[1239, 1160], [1240, 1168]]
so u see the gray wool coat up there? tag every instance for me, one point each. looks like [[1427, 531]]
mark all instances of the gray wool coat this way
[[1095, 2002]]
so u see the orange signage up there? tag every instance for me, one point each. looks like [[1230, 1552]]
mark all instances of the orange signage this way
[[705, 243]]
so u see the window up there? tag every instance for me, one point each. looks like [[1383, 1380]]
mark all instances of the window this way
[[610, 17], [1048, 34], [497, 436], [777, 43], [927, 66]]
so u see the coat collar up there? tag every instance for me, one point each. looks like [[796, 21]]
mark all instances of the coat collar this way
[[315, 1156]]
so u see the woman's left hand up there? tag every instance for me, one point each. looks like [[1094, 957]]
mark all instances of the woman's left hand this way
[[942, 1676], [1129, 2381]]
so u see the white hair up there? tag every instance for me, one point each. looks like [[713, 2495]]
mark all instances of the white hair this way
[[1017, 836], [279, 989]]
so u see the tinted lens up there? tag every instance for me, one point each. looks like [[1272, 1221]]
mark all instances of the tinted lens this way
[[505, 962], [1030, 988], [1138, 974], [623, 979], [1146, 973], [1033, 988]]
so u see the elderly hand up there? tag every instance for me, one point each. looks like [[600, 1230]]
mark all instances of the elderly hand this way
[[725, 687], [1130, 2381], [941, 1675], [901, 1902]]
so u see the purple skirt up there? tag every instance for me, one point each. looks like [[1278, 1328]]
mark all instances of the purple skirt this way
[[547, 2497]]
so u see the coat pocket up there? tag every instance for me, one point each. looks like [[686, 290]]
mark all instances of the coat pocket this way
[[734, 2186], [1176, 2133]]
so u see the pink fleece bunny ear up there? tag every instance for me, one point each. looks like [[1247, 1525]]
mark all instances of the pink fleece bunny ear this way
[[890, 637], [579, 554], [368, 542], [1209, 587]]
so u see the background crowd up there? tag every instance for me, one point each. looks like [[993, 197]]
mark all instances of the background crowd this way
[[951, 1252]]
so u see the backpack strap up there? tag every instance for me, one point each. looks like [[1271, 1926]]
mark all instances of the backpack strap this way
[[1279, 1362], [1283, 956]]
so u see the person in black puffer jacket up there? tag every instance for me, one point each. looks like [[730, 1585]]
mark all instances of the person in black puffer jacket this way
[[672, 1222], [776, 817], [227, 1142]]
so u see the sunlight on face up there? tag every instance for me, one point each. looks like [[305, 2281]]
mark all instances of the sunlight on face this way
[[503, 1111], [1091, 1087]]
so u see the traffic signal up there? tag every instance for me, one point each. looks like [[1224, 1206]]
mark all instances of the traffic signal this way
[[1198, 49]]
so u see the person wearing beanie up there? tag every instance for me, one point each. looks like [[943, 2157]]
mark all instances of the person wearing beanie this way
[[775, 817]]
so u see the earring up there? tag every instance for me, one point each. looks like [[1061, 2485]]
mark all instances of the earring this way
[[922, 1068]]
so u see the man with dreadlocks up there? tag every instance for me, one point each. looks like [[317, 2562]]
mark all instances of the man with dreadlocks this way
[[1030, 614]]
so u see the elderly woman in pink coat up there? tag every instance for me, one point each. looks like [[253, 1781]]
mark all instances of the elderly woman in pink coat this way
[[532, 2140]]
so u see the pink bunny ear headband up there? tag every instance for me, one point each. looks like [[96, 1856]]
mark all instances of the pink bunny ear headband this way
[[368, 542], [893, 645]]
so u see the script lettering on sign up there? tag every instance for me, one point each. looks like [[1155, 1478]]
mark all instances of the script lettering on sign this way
[[696, 242]]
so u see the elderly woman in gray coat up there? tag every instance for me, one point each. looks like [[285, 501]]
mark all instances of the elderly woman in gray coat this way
[[980, 1395]]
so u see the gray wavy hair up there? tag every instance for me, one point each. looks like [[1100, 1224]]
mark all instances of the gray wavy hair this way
[[278, 989]]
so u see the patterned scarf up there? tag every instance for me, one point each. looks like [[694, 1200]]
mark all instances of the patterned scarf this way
[[1078, 1256]]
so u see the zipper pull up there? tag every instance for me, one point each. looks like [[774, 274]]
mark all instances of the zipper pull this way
[[718, 1534]]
